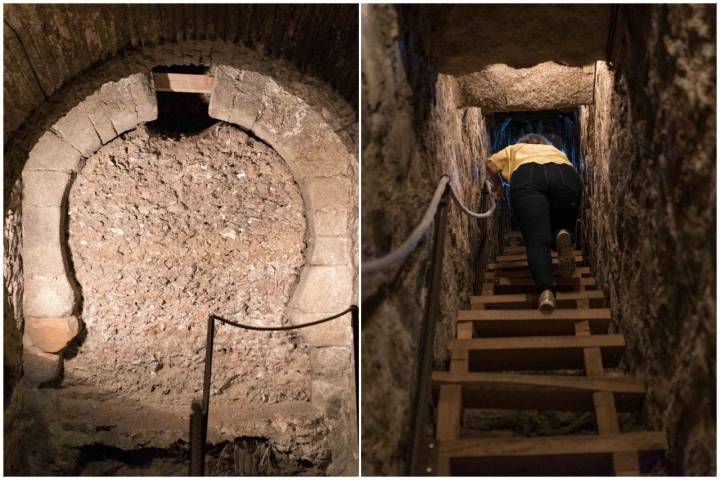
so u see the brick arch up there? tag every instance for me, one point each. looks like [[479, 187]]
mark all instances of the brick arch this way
[[292, 113]]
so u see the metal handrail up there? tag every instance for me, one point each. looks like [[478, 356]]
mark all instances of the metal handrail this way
[[200, 409], [437, 213]]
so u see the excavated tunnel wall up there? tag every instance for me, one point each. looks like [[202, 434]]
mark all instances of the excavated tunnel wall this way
[[413, 133], [650, 217]]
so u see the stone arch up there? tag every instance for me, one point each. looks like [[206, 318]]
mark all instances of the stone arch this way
[[310, 128]]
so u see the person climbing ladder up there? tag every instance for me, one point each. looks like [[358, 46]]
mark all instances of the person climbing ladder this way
[[545, 191]]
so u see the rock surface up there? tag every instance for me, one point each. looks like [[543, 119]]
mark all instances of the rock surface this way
[[51, 334], [44, 51], [547, 86], [164, 232], [650, 218], [413, 133], [464, 39]]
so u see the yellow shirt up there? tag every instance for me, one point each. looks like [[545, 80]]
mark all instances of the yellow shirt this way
[[510, 158]]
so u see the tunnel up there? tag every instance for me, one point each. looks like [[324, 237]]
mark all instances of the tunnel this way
[[166, 166], [628, 94]]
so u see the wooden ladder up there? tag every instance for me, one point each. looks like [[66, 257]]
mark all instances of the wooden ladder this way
[[505, 332]]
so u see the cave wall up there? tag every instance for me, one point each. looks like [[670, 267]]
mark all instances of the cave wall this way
[[650, 217], [413, 133], [48, 45]]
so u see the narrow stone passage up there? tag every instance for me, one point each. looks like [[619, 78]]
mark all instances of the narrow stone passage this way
[[627, 93], [504, 332]]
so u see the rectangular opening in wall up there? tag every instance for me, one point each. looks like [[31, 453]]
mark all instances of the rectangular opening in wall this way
[[183, 94], [561, 127]]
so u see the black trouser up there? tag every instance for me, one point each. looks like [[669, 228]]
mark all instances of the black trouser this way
[[545, 198]]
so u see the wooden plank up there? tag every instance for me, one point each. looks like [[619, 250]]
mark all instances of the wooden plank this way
[[555, 445], [540, 392], [529, 300], [624, 463], [532, 322], [520, 261], [535, 353], [450, 403], [529, 282], [519, 256], [183, 83], [565, 455], [534, 314], [448, 422], [491, 275], [524, 285], [514, 250]]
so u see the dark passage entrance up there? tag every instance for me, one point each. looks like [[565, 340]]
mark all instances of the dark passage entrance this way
[[181, 113], [561, 127]]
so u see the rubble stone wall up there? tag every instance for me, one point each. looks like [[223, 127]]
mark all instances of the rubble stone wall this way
[[47, 46], [650, 218], [413, 133]]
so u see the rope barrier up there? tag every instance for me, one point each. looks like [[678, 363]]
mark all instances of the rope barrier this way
[[287, 327], [400, 253]]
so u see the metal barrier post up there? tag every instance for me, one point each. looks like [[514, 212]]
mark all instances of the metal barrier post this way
[[197, 441], [421, 462]]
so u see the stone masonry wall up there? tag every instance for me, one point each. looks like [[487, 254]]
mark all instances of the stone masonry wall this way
[[46, 46], [311, 128], [650, 215], [413, 133]]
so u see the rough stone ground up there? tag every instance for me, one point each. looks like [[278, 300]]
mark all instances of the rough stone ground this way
[[163, 231]]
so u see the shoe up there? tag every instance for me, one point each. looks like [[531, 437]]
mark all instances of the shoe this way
[[546, 304], [566, 258]]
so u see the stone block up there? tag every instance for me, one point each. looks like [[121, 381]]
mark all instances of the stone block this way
[[44, 188], [51, 334], [328, 192], [236, 96], [143, 96], [335, 333], [42, 250], [546, 86], [53, 153], [48, 296], [43, 260], [327, 158], [77, 129], [330, 222], [39, 367], [96, 111], [325, 289], [119, 105], [332, 363], [329, 397], [330, 251]]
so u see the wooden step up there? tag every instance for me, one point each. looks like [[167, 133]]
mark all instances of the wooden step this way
[[512, 323], [520, 261], [534, 353], [529, 300], [492, 274], [524, 285], [523, 256], [514, 250], [541, 392], [556, 455]]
